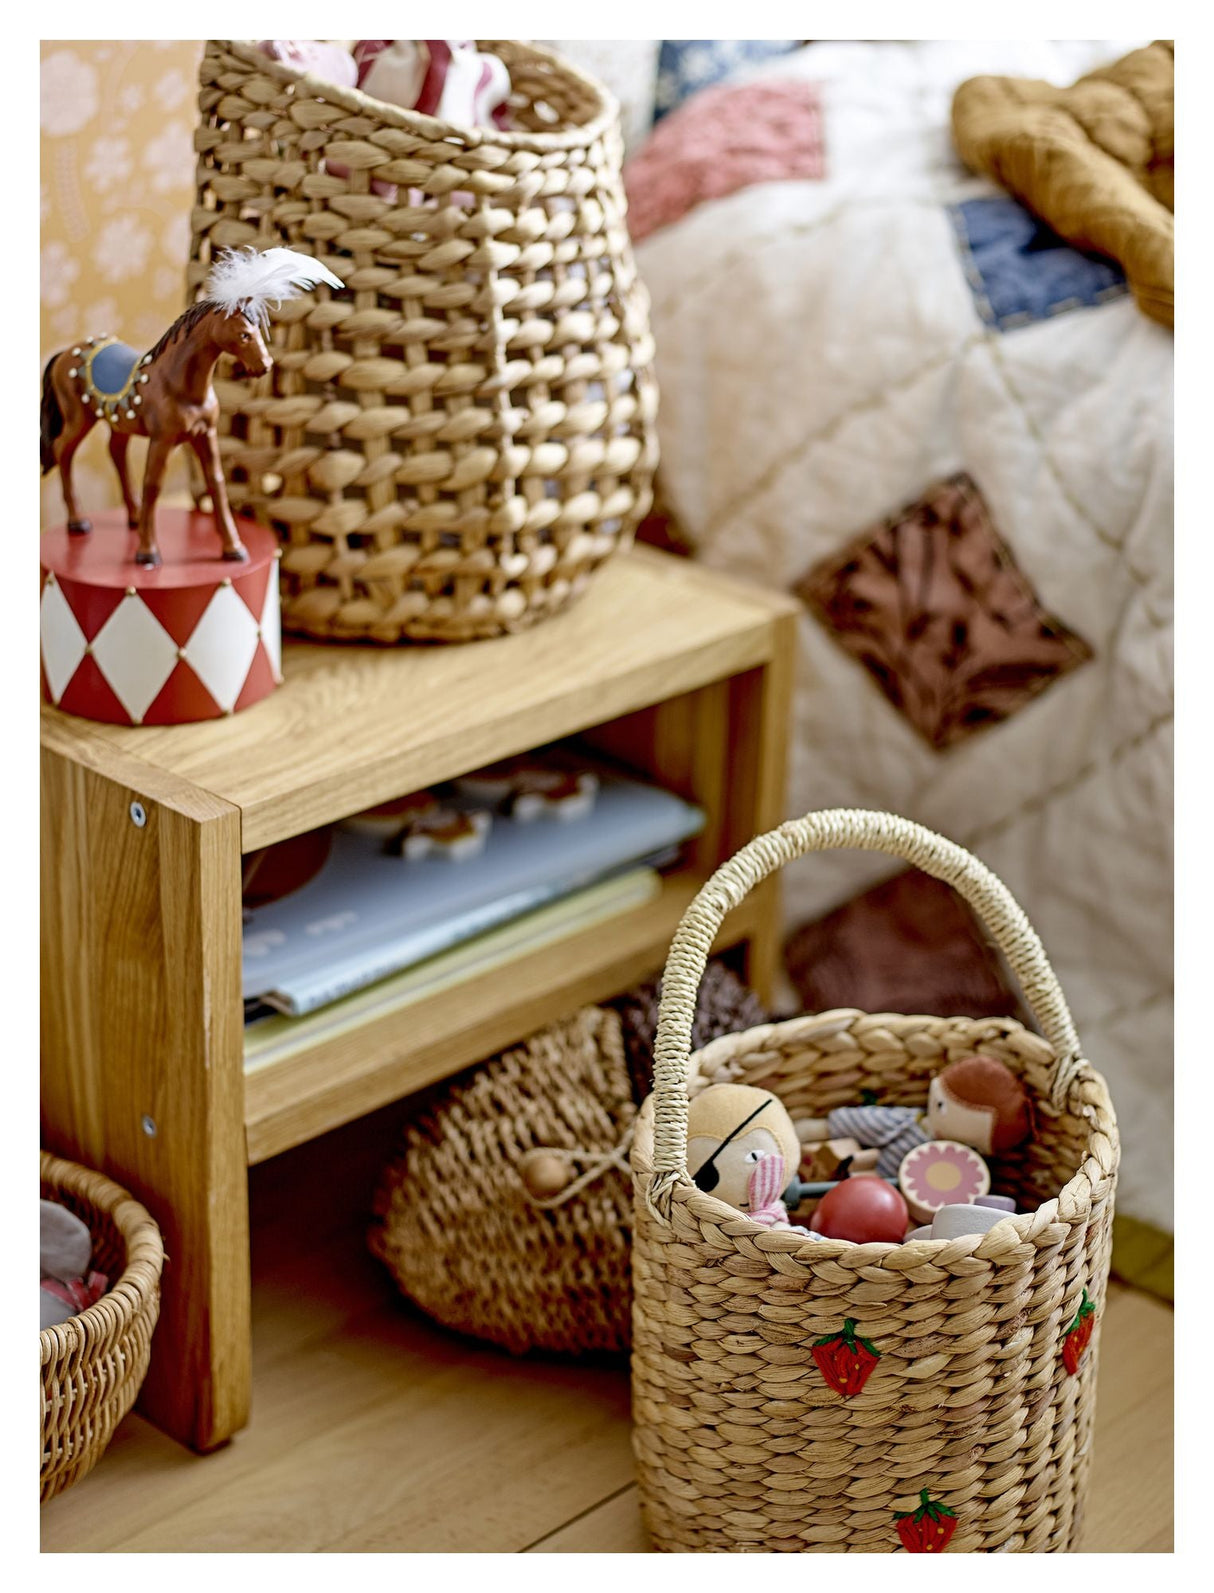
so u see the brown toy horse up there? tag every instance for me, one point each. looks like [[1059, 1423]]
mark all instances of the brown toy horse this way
[[167, 394]]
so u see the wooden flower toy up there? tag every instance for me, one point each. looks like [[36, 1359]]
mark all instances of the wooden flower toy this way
[[167, 395], [942, 1172]]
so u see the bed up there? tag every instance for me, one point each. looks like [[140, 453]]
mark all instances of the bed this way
[[894, 343]]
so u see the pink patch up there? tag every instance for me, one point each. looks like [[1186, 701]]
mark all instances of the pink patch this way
[[720, 141]]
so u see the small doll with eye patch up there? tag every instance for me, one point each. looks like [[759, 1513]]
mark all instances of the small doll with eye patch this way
[[976, 1101], [742, 1148]]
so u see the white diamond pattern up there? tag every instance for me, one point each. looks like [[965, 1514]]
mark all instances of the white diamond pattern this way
[[221, 648], [63, 643], [135, 654], [271, 624]]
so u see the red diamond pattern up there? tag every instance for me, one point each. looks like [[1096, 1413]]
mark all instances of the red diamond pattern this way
[[259, 682], [90, 695], [179, 608], [182, 699], [92, 605], [252, 587]]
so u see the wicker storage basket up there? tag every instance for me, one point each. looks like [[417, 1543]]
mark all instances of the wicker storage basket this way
[[971, 1429], [457, 1228], [93, 1364], [453, 444], [454, 1223]]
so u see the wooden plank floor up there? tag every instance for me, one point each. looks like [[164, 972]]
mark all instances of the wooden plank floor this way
[[374, 1430]]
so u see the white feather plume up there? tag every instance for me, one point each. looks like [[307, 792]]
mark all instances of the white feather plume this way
[[249, 280]]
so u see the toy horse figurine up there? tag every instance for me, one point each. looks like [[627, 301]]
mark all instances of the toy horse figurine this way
[[167, 395]]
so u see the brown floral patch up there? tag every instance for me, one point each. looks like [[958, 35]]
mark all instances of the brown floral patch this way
[[933, 605]]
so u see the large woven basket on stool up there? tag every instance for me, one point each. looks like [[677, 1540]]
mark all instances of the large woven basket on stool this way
[[94, 1363], [971, 1429], [451, 446]]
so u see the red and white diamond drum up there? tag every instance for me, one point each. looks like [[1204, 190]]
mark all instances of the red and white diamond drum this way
[[196, 638]]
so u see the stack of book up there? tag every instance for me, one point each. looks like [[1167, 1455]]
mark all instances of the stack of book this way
[[403, 908]]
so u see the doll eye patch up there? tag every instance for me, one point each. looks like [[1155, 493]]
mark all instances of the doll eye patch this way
[[709, 1176]]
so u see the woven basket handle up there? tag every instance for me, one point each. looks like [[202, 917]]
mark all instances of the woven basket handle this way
[[858, 829]]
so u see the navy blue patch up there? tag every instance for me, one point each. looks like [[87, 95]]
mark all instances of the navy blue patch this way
[[111, 368], [1021, 271], [685, 65]]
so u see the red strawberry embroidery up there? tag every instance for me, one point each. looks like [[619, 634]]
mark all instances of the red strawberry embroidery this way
[[1075, 1339], [927, 1529], [846, 1360]]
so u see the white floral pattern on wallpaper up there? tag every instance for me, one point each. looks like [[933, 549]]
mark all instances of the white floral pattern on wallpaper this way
[[117, 121]]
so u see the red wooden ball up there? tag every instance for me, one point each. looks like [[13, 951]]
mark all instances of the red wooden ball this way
[[862, 1211]]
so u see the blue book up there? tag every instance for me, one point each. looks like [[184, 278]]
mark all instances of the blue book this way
[[367, 914]]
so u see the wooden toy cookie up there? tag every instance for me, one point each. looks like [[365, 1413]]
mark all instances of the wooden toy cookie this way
[[444, 832], [531, 790], [388, 819]]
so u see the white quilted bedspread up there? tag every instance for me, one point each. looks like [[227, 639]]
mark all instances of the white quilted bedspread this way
[[821, 363]]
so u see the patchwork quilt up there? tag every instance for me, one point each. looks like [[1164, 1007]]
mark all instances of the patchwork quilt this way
[[893, 390]]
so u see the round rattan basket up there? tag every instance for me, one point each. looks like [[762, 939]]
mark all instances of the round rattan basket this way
[[454, 1221], [973, 1428], [456, 1226], [94, 1363], [450, 446]]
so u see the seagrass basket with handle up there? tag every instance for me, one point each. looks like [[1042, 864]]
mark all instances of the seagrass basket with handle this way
[[93, 1365], [451, 445], [973, 1428]]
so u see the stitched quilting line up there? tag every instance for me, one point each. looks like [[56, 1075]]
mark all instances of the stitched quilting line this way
[[796, 229], [1132, 1008], [986, 333], [873, 401], [1098, 765], [1064, 490]]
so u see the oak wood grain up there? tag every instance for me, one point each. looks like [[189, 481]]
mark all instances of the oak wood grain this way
[[141, 1047], [355, 725], [142, 1014]]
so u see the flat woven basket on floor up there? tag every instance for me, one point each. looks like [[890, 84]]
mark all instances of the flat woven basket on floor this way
[[972, 1431], [450, 446], [456, 1226], [94, 1363]]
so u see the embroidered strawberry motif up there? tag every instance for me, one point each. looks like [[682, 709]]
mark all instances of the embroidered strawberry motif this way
[[926, 1529], [1075, 1339], [846, 1360]]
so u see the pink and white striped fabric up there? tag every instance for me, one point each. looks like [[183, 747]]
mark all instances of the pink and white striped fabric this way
[[767, 1184], [447, 78]]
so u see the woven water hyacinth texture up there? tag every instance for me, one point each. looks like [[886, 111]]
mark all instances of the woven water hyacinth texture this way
[[933, 605], [455, 1224], [743, 1446], [451, 445], [966, 1394]]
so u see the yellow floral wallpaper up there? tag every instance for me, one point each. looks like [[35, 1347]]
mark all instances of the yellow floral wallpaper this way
[[117, 179]]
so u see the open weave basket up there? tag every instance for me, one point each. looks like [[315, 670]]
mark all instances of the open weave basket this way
[[970, 1417], [451, 445], [94, 1363]]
